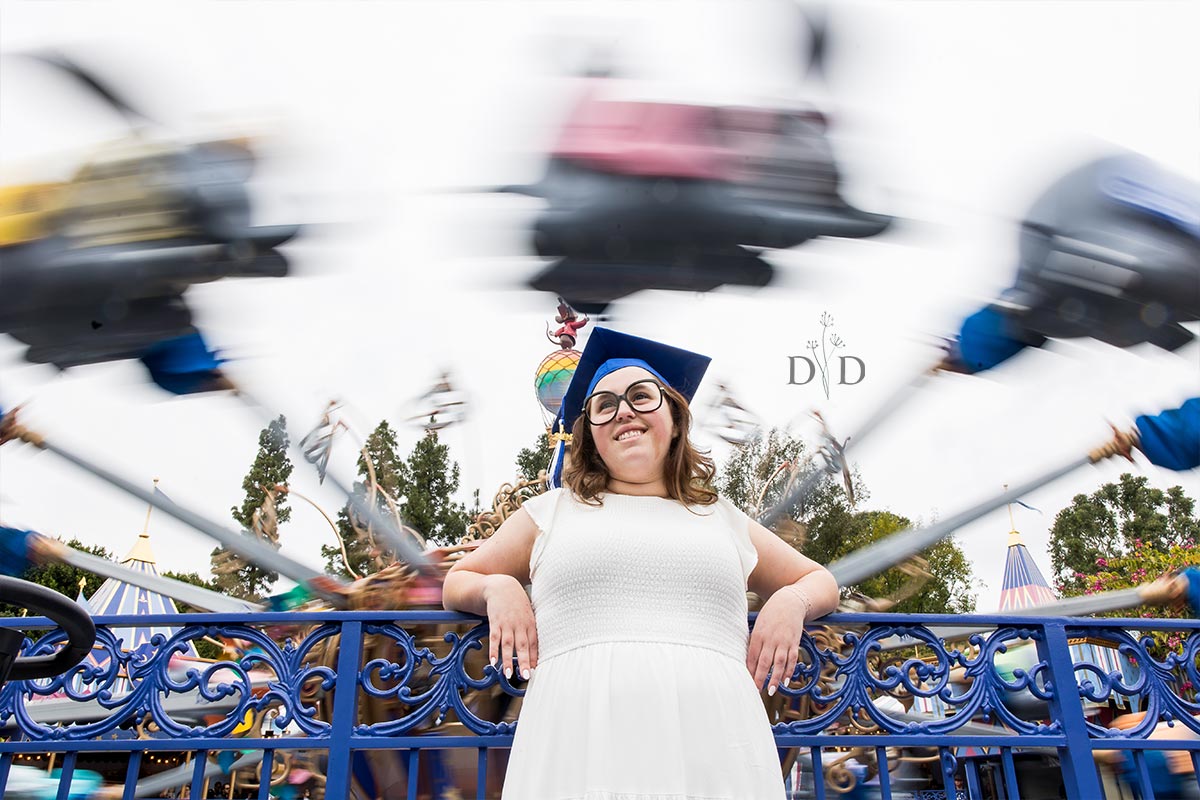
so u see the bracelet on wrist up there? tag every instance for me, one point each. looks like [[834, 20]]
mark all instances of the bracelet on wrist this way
[[802, 596]]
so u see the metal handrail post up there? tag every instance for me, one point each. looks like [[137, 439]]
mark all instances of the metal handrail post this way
[[1080, 777], [344, 711]]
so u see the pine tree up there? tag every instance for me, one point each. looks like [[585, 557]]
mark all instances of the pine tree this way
[[386, 465], [271, 466], [430, 479], [422, 485]]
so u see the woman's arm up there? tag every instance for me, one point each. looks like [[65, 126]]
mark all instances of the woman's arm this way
[[795, 589], [491, 582], [781, 567]]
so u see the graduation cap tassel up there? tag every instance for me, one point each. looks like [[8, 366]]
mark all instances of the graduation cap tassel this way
[[243, 544], [554, 473]]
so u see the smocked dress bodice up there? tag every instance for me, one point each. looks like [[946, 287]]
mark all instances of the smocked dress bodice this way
[[641, 691], [642, 569]]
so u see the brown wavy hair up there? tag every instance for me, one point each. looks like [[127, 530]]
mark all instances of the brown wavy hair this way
[[688, 472]]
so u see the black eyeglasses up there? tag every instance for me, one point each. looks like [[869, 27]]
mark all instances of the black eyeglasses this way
[[600, 408]]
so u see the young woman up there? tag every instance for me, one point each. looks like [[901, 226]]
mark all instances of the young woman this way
[[644, 679]]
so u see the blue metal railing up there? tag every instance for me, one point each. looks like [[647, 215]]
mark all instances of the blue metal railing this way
[[393, 704]]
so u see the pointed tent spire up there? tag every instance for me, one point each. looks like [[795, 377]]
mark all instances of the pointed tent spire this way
[[140, 552], [117, 597], [1023, 585], [80, 598]]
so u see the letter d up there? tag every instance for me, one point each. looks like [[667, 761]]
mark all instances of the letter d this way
[[862, 370], [812, 370]]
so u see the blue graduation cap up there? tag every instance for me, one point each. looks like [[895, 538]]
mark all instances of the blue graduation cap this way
[[608, 351]]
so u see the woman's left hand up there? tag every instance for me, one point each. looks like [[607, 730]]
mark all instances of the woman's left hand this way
[[775, 640]]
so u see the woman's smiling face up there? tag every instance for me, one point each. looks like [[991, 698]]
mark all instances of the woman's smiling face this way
[[634, 445]]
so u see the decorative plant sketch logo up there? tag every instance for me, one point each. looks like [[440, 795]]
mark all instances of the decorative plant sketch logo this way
[[823, 350]]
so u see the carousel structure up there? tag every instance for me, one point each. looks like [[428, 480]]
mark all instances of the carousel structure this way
[[359, 686]]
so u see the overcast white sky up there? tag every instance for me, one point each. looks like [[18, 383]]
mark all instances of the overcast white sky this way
[[951, 114]]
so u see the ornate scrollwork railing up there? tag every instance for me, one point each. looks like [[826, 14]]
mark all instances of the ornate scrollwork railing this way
[[877, 686]]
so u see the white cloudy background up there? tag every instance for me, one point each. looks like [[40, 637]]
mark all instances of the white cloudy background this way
[[373, 114]]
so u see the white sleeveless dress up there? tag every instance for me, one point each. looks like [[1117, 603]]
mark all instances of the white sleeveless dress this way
[[641, 690]]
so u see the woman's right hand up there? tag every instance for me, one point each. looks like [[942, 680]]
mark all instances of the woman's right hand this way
[[511, 626], [490, 582]]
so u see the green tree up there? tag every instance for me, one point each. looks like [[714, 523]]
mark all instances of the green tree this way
[[756, 478], [63, 578], [358, 550], [271, 466], [388, 468], [194, 579], [69, 580], [1109, 523], [430, 479], [476, 507], [534, 459], [836, 531]]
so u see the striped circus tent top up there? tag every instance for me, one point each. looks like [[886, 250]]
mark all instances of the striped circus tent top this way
[[1023, 585], [117, 597]]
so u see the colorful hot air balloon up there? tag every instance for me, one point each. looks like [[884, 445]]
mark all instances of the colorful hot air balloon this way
[[552, 378]]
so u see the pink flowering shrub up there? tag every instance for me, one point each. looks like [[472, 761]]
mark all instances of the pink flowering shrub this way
[[1142, 564]]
